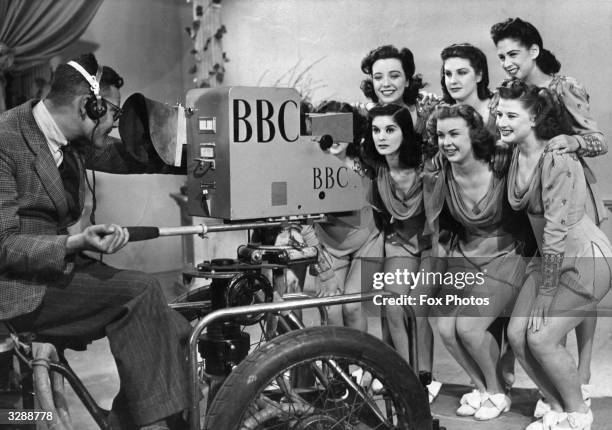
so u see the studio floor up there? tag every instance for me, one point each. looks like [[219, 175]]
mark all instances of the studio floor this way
[[97, 370]]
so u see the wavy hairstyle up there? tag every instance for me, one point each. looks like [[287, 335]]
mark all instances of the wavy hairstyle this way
[[410, 150], [483, 142], [527, 35], [550, 118], [404, 55], [478, 61]]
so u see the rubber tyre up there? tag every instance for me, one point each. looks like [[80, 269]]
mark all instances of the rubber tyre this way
[[255, 373]]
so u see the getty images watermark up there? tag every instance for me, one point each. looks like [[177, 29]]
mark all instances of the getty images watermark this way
[[486, 286], [422, 278]]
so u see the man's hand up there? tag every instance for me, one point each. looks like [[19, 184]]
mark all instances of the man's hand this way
[[563, 144], [105, 238]]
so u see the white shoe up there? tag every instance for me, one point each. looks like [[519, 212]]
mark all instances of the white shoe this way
[[377, 386], [469, 403], [578, 420], [541, 407], [358, 376], [500, 404], [563, 421], [365, 380], [433, 390], [536, 425], [587, 391], [550, 419]]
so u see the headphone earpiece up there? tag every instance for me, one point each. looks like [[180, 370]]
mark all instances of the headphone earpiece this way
[[95, 106]]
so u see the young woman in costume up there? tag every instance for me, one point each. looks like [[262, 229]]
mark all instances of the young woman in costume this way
[[522, 55], [485, 245], [574, 275], [393, 148]]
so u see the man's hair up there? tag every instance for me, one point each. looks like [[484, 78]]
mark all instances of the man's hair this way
[[68, 82]]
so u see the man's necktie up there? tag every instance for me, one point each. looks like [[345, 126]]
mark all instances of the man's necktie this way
[[69, 172]]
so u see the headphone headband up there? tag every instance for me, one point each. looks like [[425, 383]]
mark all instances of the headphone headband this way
[[95, 106], [93, 81]]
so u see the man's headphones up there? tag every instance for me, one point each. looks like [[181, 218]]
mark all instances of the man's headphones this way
[[95, 106]]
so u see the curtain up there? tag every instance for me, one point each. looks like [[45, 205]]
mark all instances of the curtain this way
[[31, 32]]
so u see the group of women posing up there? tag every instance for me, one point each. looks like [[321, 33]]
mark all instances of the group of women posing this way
[[490, 183]]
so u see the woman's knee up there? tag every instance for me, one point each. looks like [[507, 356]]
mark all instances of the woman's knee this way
[[447, 329], [539, 342], [469, 333]]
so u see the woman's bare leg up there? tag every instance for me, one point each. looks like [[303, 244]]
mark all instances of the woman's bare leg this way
[[353, 314], [478, 341], [447, 327], [585, 332], [517, 336], [394, 313]]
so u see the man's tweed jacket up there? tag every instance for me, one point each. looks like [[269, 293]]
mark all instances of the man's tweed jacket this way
[[34, 213]]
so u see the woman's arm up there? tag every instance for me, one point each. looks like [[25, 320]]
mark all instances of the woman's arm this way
[[557, 176], [587, 140]]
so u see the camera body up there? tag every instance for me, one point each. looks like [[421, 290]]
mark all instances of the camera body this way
[[248, 160]]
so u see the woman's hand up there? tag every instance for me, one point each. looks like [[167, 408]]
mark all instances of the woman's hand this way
[[563, 144], [328, 287], [539, 312], [428, 98]]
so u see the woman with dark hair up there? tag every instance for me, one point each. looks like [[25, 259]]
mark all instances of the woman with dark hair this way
[[392, 80], [389, 81], [521, 51], [574, 273], [394, 149], [346, 240], [522, 55], [464, 78], [407, 153], [486, 242]]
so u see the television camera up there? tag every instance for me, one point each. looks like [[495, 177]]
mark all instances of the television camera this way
[[254, 160]]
